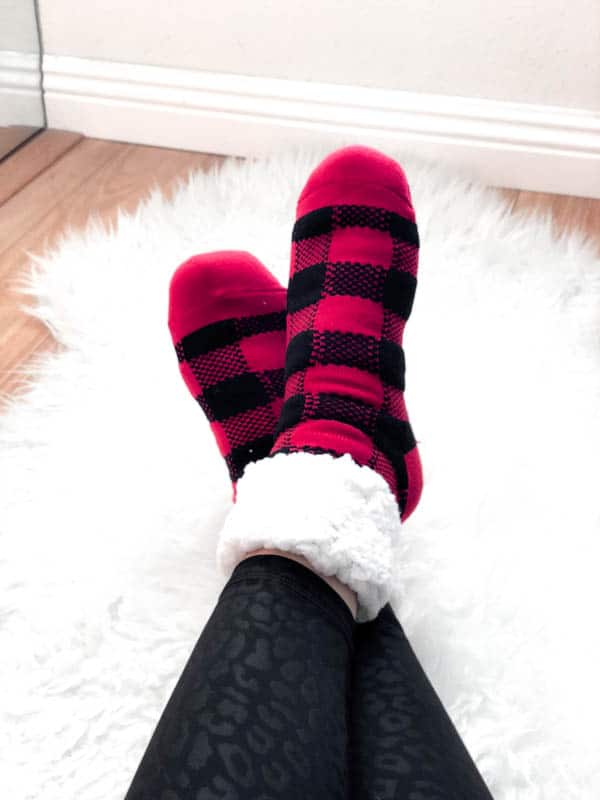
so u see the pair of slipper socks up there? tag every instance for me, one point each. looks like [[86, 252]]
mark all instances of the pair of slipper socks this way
[[304, 388]]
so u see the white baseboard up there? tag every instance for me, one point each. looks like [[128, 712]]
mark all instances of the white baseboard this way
[[20, 89], [540, 148]]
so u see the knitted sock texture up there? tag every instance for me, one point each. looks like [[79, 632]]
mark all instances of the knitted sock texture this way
[[227, 323], [353, 277]]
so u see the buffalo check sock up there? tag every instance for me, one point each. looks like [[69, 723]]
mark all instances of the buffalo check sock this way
[[227, 322], [345, 465]]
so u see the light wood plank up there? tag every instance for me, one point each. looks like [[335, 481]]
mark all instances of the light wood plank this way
[[511, 195], [128, 177], [12, 136], [568, 213], [25, 336], [23, 215], [32, 159]]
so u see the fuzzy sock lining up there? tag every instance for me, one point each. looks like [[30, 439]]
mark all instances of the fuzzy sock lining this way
[[340, 516]]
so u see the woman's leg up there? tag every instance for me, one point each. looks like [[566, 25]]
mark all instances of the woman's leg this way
[[403, 745], [261, 709]]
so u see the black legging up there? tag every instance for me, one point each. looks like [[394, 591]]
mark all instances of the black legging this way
[[285, 696]]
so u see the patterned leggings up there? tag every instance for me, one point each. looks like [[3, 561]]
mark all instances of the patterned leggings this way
[[285, 696]]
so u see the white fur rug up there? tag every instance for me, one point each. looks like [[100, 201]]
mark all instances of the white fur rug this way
[[113, 492]]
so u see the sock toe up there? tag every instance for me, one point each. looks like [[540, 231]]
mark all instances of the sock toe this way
[[210, 287], [357, 175]]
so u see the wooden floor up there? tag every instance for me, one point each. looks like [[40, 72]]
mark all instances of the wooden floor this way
[[13, 136], [58, 179]]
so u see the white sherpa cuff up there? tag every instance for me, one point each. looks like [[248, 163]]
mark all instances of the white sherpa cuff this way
[[342, 518]]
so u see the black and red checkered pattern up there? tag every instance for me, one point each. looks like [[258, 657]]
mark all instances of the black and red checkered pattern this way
[[352, 284], [227, 322]]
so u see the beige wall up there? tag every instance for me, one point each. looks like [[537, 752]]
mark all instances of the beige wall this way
[[537, 51]]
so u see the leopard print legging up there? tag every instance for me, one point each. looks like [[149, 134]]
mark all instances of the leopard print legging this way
[[284, 696]]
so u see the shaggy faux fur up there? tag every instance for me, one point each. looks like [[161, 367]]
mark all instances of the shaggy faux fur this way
[[343, 518], [113, 490]]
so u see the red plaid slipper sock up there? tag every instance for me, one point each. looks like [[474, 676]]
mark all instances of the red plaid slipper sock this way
[[227, 322], [352, 283]]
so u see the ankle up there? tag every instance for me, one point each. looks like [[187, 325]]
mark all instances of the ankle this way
[[347, 595]]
